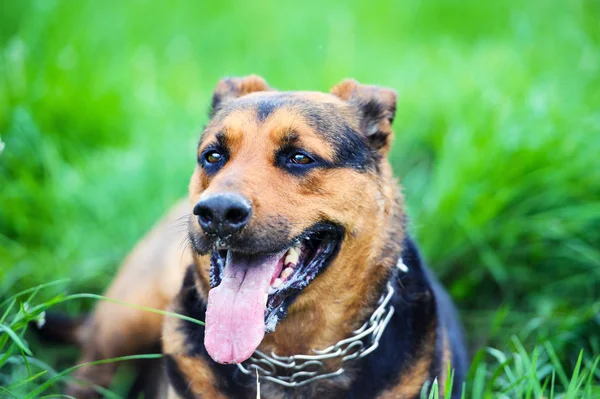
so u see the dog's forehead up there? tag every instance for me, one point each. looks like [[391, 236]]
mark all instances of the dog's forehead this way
[[304, 102], [324, 113]]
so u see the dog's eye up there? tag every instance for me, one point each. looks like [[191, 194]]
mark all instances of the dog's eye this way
[[301, 159], [213, 157]]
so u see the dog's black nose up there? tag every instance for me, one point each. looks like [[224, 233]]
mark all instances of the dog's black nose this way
[[223, 214]]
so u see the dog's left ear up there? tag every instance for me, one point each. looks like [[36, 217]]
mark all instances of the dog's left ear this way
[[376, 107], [231, 88]]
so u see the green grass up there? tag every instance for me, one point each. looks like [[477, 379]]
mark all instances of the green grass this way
[[497, 143]]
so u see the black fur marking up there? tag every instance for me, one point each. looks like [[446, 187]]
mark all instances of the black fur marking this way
[[289, 140], [150, 374], [378, 139], [437, 364], [214, 106], [372, 110], [351, 151], [372, 113], [266, 108], [177, 379], [221, 139]]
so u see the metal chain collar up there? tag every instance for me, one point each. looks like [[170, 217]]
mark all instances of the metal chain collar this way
[[304, 369]]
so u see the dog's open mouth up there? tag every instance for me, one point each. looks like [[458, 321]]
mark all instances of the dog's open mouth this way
[[251, 292]]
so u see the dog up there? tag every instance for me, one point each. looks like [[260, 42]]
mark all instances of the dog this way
[[298, 262]]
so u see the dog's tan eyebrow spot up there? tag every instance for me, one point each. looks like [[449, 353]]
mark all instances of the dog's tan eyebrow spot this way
[[290, 128], [230, 131]]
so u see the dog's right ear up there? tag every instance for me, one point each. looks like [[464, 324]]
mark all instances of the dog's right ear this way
[[231, 88], [376, 108]]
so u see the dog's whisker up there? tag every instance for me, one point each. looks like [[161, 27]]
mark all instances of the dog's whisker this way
[[181, 223]]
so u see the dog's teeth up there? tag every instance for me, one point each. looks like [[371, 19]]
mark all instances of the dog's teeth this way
[[292, 257], [276, 283], [286, 273]]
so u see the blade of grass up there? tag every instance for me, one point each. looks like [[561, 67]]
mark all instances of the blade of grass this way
[[7, 311], [25, 381], [36, 288], [573, 383], [560, 371], [55, 378], [552, 384], [6, 391], [16, 339], [449, 381], [66, 298]]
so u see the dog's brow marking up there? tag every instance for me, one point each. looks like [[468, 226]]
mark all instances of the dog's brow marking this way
[[221, 138], [290, 138]]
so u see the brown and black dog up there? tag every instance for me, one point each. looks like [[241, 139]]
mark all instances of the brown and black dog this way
[[297, 231]]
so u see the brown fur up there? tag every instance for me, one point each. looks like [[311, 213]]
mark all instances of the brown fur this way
[[368, 204], [150, 276]]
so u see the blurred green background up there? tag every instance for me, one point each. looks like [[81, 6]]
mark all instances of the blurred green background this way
[[497, 146]]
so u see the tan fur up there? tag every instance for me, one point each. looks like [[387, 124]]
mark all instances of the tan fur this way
[[150, 276], [367, 204]]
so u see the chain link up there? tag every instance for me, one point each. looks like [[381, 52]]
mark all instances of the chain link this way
[[304, 369]]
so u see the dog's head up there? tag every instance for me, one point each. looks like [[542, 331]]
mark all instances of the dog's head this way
[[291, 195]]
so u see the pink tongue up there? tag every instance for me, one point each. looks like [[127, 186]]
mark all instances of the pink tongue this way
[[235, 314]]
